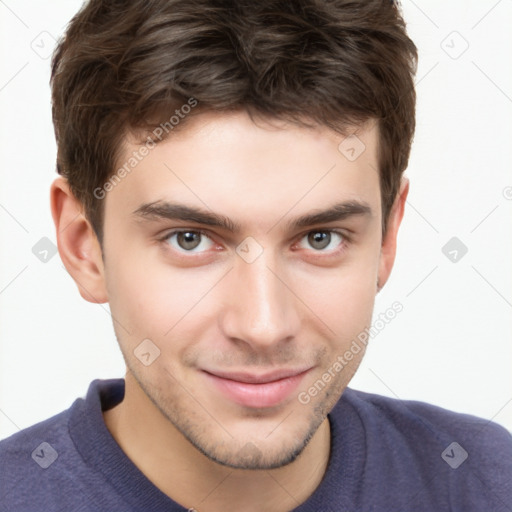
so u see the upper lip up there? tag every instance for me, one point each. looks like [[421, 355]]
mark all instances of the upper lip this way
[[258, 378]]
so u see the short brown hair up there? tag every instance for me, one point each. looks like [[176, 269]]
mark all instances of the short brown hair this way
[[126, 65]]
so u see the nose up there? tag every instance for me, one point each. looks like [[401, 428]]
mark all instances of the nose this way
[[261, 309]]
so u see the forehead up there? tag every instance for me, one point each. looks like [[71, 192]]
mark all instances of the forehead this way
[[231, 164]]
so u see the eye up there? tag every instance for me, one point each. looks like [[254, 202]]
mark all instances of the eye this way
[[189, 241], [321, 240]]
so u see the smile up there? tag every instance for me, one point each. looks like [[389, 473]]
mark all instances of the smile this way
[[257, 391]]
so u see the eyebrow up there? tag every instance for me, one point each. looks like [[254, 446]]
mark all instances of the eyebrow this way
[[172, 211]]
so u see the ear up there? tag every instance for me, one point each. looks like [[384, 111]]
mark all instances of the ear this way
[[388, 249], [78, 245]]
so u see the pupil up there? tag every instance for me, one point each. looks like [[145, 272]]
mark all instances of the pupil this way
[[188, 240], [319, 239]]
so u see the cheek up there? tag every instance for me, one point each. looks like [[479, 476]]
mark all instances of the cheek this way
[[151, 298], [342, 297]]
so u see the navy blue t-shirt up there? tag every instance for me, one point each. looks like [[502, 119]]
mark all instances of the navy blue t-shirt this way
[[386, 455]]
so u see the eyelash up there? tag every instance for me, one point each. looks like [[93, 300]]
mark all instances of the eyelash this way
[[334, 252]]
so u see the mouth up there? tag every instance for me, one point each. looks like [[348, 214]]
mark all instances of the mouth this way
[[257, 390]]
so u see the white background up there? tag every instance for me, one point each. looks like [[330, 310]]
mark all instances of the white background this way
[[451, 345]]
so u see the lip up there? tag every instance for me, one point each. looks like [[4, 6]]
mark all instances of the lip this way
[[257, 390]]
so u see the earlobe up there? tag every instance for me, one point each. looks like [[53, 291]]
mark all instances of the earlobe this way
[[388, 248], [78, 245]]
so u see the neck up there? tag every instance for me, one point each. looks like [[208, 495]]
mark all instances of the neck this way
[[191, 479]]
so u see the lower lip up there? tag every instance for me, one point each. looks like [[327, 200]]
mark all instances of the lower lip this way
[[268, 394]]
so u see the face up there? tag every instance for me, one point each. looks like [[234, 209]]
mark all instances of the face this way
[[248, 255]]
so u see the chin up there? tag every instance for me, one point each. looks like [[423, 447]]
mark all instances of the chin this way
[[259, 454], [253, 458]]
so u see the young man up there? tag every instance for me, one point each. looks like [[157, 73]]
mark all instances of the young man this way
[[231, 184]]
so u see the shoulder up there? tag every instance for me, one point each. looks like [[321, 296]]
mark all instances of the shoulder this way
[[469, 459], [424, 418], [26, 455], [38, 465], [396, 406], [18, 446], [429, 422], [56, 464]]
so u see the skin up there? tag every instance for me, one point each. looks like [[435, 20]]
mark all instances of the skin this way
[[298, 305]]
